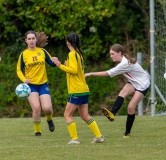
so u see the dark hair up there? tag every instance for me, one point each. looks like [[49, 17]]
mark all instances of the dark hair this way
[[119, 48], [40, 36], [30, 32], [75, 42]]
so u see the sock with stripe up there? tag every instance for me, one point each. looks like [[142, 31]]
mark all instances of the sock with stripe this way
[[72, 130], [94, 127]]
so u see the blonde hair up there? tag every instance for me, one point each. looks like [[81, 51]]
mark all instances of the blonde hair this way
[[119, 48]]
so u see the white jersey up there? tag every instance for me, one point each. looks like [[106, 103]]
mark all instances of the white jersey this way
[[135, 74]]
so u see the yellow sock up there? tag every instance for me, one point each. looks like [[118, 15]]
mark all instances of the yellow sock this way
[[94, 127], [37, 126], [72, 130], [48, 117]]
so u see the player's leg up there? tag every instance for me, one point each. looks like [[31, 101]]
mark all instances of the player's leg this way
[[71, 125], [137, 97], [83, 111], [36, 112], [46, 104], [128, 89]]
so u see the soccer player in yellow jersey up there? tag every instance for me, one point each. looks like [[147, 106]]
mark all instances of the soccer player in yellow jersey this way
[[78, 90], [31, 69]]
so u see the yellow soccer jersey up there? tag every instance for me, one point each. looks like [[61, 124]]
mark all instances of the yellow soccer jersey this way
[[32, 62], [74, 69]]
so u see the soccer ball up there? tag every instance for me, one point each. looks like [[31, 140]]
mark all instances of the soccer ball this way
[[23, 90], [165, 75]]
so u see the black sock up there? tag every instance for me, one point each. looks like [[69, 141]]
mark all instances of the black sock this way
[[129, 122], [117, 104]]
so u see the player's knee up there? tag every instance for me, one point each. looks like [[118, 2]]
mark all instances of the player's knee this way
[[47, 109], [123, 93], [36, 109], [131, 109], [67, 115]]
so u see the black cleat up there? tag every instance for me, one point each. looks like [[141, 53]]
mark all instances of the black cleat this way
[[37, 134], [51, 125]]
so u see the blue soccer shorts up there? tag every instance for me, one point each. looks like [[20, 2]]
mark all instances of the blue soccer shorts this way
[[78, 99], [41, 89]]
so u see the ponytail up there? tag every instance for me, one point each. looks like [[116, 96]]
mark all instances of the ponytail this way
[[42, 39], [130, 59]]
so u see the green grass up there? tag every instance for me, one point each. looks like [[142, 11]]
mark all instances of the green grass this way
[[148, 141]]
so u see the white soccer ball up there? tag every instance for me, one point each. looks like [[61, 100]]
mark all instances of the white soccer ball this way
[[23, 90], [165, 75]]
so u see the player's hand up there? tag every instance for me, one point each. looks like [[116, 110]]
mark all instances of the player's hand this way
[[57, 62], [87, 75], [54, 59], [27, 81]]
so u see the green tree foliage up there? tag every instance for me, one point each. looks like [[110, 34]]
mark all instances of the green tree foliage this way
[[100, 23], [57, 19]]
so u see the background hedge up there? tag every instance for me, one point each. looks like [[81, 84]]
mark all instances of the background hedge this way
[[99, 23]]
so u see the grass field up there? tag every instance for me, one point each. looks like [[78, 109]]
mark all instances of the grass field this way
[[148, 141]]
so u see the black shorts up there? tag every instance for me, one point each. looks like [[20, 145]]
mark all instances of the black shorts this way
[[143, 92]]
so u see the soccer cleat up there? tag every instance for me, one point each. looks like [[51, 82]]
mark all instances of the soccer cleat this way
[[108, 114], [77, 141], [37, 134], [98, 140], [126, 135], [51, 125]]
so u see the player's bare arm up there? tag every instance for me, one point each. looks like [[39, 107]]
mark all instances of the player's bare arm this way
[[102, 74]]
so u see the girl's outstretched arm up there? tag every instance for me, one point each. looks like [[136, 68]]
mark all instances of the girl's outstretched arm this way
[[99, 74]]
